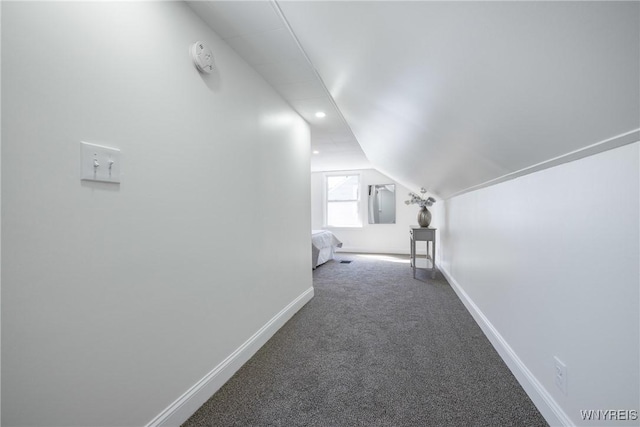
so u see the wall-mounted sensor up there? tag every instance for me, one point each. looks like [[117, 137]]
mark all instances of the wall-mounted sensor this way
[[202, 57]]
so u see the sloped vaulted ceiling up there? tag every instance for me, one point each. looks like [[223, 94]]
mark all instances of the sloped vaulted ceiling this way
[[451, 95]]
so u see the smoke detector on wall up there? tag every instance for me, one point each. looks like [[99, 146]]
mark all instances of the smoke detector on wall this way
[[202, 57]]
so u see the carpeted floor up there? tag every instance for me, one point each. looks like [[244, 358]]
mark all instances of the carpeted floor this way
[[374, 347]]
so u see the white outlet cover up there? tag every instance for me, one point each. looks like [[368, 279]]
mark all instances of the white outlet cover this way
[[99, 163], [560, 374]]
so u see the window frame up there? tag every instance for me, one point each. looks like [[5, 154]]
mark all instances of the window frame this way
[[326, 200]]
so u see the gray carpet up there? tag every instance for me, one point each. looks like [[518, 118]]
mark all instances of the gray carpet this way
[[374, 347]]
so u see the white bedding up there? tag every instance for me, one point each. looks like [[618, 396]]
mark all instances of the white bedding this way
[[323, 244]]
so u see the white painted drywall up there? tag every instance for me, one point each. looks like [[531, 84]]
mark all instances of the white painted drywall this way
[[0, 202], [370, 238], [436, 92], [551, 259], [118, 299]]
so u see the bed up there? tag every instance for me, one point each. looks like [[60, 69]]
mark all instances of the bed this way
[[323, 246]]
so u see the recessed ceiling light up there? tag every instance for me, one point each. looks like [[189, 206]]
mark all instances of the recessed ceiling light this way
[[320, 114], [316, 152]]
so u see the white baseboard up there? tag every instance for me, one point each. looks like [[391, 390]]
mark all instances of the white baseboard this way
[[180, 410], [546, 404]]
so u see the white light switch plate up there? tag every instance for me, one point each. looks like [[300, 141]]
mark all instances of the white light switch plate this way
[[100, 163]]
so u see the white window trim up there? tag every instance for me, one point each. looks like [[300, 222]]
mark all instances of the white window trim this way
[[325, 199]]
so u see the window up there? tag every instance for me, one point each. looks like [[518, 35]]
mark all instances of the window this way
[[343, 201]]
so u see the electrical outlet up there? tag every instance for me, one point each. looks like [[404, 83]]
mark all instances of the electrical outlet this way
[[560, 374]]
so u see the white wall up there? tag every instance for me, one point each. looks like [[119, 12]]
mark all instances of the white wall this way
[[117, 299], [371, 238], [550, 263], [0, 202]]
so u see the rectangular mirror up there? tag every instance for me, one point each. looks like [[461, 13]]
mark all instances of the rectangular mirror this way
[[382, 204]]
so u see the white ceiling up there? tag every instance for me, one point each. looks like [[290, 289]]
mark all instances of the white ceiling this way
[[257, 31], [445, 95]]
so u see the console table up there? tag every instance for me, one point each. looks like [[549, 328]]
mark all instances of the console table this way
[[422, 234]]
